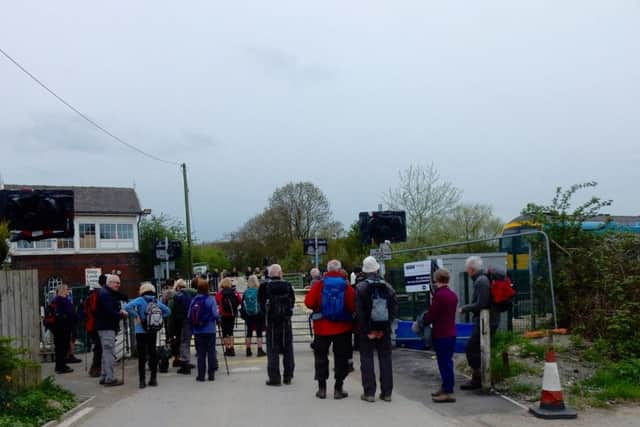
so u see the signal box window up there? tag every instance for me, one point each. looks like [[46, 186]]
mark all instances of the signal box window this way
[[116, 231], [87, 236], [65, 243], [108, 231], [125, 231]]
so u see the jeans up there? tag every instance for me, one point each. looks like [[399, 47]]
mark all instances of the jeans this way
[[444, 348], [383, 347], [342, 352], [280, 341], [147, 350], [206, 354], [108, 342]]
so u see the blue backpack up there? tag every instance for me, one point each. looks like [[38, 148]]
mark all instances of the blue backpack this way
[[200, 311], [333, 291]]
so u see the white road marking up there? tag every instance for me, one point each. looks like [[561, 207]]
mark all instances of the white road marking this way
[[75, 417]]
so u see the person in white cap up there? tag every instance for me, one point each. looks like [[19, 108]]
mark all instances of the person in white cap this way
[[376, 308]]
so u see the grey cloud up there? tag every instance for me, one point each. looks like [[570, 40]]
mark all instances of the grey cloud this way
[[282, 64]]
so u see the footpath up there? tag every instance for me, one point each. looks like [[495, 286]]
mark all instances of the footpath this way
[[242, 399]]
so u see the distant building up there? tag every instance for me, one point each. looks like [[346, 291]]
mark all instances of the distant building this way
[[106, 237]]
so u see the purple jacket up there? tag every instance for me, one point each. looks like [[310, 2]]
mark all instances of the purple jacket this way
[[442, 313]]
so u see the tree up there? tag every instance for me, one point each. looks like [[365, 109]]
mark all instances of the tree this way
[[304, 210], [425, 198], [212, 255], [468, 222], [155, 228]]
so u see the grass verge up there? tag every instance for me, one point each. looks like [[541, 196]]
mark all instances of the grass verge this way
[[34, 406], [612, 383]]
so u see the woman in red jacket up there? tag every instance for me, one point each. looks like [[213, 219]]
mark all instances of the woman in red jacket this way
[[442, 315], [228, 300]]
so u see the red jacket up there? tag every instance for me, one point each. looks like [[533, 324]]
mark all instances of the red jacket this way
[[313, 300]]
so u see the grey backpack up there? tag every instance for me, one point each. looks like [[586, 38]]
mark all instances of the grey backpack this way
[[379, 304]]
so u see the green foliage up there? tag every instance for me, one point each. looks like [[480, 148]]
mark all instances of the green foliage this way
[[155, 228], [11, 358], [612, 382], [4, 237], [211, 254], [36, 406], [597, 275]]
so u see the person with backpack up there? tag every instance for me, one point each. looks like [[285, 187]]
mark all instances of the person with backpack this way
[[89, 307], [333, 302], [442, 315], [252, 315], [108, 316], [229, 301], [182, 328], [148, 314], [481, 300], [277, 299], [202, 317], [60, 319], [377, 307]]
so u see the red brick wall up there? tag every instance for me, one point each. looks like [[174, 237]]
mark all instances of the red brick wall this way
[[71, 267]]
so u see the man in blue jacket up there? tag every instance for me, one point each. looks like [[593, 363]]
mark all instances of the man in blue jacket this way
[[108, 316]]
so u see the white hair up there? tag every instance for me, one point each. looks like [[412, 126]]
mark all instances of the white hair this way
[[275, 270], [334, 265], [315, 272], [474, 262], [112, 278]]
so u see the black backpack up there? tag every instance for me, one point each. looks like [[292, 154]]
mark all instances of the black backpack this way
[[229, 302], [278, 306]]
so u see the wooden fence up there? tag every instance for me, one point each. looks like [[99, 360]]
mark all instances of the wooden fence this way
[[20, 318]]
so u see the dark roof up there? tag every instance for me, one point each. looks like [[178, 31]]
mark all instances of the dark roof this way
[[95, 200]]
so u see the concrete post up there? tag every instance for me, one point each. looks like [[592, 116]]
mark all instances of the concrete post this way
[[485, 349]]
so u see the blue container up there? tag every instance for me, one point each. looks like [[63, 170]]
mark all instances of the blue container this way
[[405, 337], [463, 332]]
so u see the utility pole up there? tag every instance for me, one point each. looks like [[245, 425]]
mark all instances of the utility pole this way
[[188, 219]]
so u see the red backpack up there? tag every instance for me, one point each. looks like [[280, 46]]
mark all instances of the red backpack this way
[[502, 290], [89, 307]]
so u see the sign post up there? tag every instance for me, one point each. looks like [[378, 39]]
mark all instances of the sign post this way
[[417, 276], [92, 276], [315, 247]]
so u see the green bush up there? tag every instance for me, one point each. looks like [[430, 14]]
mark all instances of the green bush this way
[[615, 381], [36, 406], [11, 358]]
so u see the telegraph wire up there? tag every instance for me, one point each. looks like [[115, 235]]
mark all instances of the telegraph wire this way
[[84, 116]]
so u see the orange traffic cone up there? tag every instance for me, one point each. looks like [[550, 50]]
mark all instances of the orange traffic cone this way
[[552, 405]]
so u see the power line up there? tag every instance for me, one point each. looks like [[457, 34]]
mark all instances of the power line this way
[[84, 116]]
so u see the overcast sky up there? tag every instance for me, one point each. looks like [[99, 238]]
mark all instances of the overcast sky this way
[[510, 99]]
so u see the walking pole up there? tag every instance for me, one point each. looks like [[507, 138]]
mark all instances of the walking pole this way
[[224, 354], [124, 342]]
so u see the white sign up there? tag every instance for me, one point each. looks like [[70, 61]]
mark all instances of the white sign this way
[[92, 276], [381, 254], [417, 276]]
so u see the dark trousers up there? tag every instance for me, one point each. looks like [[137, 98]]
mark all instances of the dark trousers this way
[[280, 341], [174, 346], [96, 361], [147, 351], [473, 346], [61, 342], [342, 352], [444, 353], [206, 354], [383, 347]]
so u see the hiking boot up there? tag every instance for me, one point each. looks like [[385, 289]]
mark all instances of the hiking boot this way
[[385, 397], [113, 383], [153, 381], [474, 383], [261, 352], [339, 393], [184, 370], [212, 377], [437, 393], [249, 354], [232, 352], [444, 398], [188, 365], [94, 372], [102, 381], [200, 379], [321, 393], [142, 384], [273, 383], [64, 370], [366, 398], [286, 381], [351, 367], [72, 359]]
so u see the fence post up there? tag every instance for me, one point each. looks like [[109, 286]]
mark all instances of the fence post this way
[[485, 349]]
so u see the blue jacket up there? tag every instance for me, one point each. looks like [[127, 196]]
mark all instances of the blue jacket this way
[[138, 306], [210, 327], [108, 310]]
